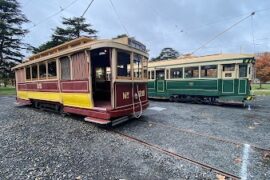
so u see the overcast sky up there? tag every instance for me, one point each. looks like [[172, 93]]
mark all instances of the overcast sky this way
[[181, 24]]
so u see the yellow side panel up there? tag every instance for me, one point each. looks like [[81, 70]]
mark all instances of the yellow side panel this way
[[45, 96], [81, 100], [22, 95]]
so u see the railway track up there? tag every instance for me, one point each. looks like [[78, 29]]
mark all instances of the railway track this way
[[206, 135], [178, 156]]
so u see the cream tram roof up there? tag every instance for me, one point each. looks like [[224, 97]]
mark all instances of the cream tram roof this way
[[198, 59], [84, 43]]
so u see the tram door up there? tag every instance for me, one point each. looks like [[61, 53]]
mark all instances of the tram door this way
[[160, 80], [101, 77], [228, 76]]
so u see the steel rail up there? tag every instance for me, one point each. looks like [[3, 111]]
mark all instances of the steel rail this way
[[206, 135], [177, 156]]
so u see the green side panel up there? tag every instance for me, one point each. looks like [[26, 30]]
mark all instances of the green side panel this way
[[228, 86], [160, 86], [151, 85], [193, 84], [225, 89], [242, 88], [206, 87]]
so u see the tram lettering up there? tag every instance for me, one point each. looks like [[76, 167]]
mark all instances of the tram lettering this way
[[125, 95], [39, 86], [142, 93]]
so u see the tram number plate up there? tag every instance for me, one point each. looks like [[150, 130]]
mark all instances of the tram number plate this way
[[126, 95]]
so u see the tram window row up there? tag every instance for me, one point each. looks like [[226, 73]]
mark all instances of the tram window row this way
[[204, 71]]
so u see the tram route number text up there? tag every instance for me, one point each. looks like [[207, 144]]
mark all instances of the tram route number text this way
[[126, 95]]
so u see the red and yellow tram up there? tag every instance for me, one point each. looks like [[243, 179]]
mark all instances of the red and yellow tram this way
[[103, 80]]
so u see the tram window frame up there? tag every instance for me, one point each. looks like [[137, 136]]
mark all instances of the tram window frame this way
[[192, 68], [28, 76], [128, 72], [204, 72], [67, 68], [145, 67], [36, 72], [228, 67], [100, 74], [246, 71], [48, 69], [167, 75], [173, 73], [138, 71], [153, 75], [41, 74], [158, 72]]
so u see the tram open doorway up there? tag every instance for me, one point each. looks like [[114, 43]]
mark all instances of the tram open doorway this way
[[101, 77]]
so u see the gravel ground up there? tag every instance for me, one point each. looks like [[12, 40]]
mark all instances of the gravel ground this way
[[44, 145]]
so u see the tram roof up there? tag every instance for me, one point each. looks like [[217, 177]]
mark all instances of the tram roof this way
[[78, 44], [199, 59]]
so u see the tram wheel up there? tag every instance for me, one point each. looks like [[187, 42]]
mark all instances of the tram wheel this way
[[171, 99]]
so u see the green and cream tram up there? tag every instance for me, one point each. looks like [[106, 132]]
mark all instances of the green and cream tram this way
[[209, 79]]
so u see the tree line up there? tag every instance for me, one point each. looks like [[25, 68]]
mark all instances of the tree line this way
[[12, 45]]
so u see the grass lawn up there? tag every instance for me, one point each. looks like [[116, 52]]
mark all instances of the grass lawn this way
[[264, 91], [264, 86], [9, 90]]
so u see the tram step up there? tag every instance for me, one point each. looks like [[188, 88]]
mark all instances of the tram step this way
[[97, 121]]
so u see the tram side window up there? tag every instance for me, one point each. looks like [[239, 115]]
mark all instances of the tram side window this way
[[209, 71], [242, 70], [153, 75], [176, 73], [100, 74], [228, 67], [145, 65], [160, 74], [108, 74], [191, 72], [34, 72], [42, 70], [137, 65], [123, 64], [28, 73], [52, 72], [65, 68]]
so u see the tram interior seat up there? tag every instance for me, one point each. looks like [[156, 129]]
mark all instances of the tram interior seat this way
[[101, 77]]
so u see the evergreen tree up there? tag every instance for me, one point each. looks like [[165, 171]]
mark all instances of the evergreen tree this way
[[11, 34], [73, 28], [167, 53]]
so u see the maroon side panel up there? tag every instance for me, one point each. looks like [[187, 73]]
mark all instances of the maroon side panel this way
[[106, 115], [44, 86], [142, 87], [22, 86], [51, 86], [75, 86], [123, 93], [31, 86]]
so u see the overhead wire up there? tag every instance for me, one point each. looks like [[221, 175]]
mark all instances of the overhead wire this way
[[119, 19], [221, 33], [52, 15], [194, 28], [87, 8], [252, 34]]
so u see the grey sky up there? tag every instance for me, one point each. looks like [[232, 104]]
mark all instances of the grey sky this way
[[181, 24]]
